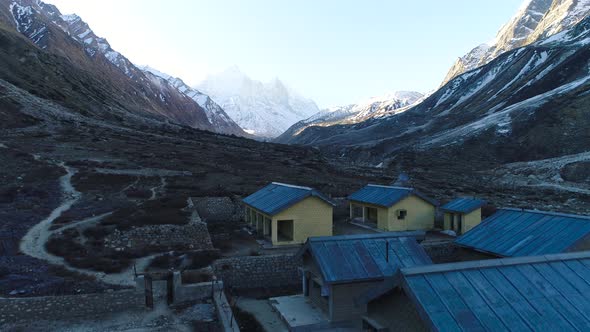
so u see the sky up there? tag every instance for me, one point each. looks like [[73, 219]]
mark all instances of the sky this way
[[336, 52]]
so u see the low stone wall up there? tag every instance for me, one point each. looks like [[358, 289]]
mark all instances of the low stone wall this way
[[442, 252], [193, 292], [194, 236], [252, 272], [14, 310], [449, 252], [213, 209]]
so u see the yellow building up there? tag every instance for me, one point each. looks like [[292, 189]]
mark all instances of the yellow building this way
[[392, 208], [462, 214], [287, 214]]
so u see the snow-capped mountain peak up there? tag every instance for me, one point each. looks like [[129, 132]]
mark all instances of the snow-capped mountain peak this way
[[264, 109], [535, 20]]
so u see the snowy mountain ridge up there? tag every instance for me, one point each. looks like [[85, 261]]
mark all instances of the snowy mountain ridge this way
[[262, 109], [72, 38], [215, 114], [374, 107], [535, 20]]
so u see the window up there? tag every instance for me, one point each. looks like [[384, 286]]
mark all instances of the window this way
[[401, 214], [285, 230]]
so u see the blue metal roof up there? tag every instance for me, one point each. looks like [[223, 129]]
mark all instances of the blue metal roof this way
[[385, 196], [547, 293], [463, 205], [513, 232], [277, 197], [355, 258]]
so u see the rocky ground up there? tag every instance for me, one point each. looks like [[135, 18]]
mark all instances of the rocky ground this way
[[72, 181]]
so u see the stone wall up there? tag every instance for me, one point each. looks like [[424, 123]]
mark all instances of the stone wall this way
[[441, 252], [448, 252], [194, 236], [223, 209], [253, 272], [192, 292], [14, 310]]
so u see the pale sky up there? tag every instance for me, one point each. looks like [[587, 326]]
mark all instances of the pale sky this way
[[333, 51]]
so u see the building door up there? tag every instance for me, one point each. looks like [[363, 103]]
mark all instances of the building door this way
[[452, 226], [459, 224], [170, 288], [371, 215], [149, 293]]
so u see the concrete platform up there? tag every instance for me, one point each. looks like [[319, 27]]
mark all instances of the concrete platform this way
[[298, 312], [300, 315]]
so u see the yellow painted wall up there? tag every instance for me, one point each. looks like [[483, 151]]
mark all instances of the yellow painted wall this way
[[420, 215], [311, 217], [470, 220]]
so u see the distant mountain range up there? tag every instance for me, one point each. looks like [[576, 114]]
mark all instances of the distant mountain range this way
[[261, 109], [528, 103], [376, 107]]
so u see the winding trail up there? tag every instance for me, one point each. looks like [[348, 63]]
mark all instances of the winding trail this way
[[155, 189], [33, 243]]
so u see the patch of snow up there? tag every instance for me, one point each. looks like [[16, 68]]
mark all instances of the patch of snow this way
[[70, 18], [501, 117], [84, 34]]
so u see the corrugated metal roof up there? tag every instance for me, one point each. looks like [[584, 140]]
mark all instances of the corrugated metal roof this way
[[276, 197], [512, 294], [463, 205], [385, 196], [513, 232], [355, 258]]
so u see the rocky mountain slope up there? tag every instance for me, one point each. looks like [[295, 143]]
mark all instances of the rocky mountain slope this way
[[215, 114], [535, 20], [376, 107], [262, 109], [69, 37], [535, 97]]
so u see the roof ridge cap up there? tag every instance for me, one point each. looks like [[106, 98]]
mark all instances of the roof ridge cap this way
[[291, 186], [550, 213], [489, 263]]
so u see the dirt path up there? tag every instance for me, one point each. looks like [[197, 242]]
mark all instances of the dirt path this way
[[159, 188], [33, 243]]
